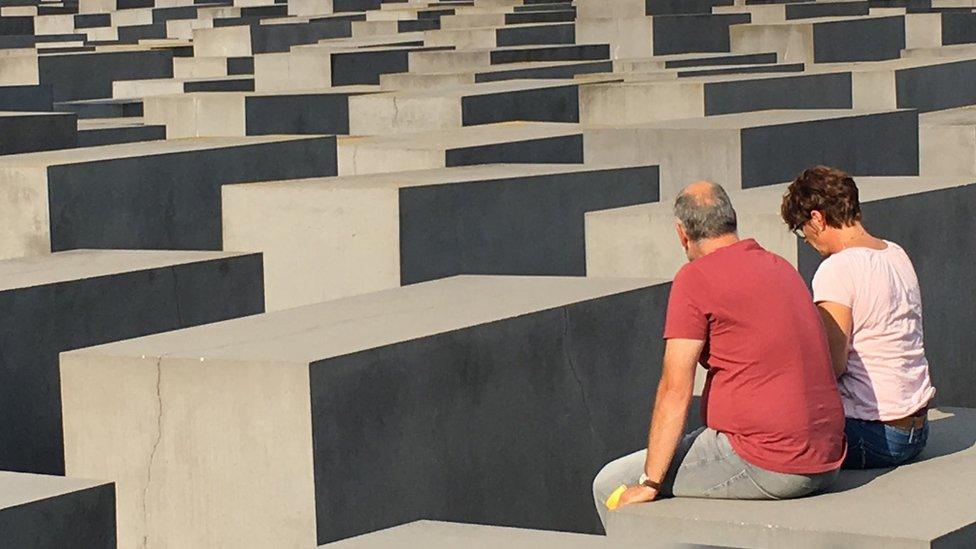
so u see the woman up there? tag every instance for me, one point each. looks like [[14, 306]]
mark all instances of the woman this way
[[867, 293]]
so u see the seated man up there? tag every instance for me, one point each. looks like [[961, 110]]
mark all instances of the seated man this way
[[868, 295], [775, 424]]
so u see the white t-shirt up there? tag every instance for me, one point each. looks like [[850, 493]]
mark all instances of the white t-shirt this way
[[887, 373]]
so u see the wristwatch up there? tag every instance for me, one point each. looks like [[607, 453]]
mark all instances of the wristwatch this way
[[645, 481]]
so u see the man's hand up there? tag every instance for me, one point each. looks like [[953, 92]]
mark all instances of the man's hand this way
[[637, 494]]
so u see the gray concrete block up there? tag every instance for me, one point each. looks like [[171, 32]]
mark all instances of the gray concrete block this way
[[938, 513], [634, 102], [260, 113], [827, 40], [466, 105], [102, 108], [537, 365], [76, 299], [762, 148], [47, 512], [26, 98], [447, 535], [152, 195], [90, 75], [513, 143], [924, 84], [95, 132], [140, 89], [22, 132], [335, 237], [947, 142]]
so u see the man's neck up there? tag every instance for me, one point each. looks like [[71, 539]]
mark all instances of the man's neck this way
[[710, 245]]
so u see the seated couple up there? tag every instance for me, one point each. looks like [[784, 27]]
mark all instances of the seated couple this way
[[791, 396]]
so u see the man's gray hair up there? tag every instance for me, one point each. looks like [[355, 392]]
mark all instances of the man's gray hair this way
[[706, 215]]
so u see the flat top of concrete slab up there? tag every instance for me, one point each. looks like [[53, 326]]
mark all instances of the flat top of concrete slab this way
[[431, 534], [22, 488], [422, 178], [889, 65], [963, 116], [504, 67], [110, 123], [753, 119], [469, 136], [488, 88], [919, 501], [25, 114], [25, 272], [146, 148], [349, 325], [816, 20], [766, 199]]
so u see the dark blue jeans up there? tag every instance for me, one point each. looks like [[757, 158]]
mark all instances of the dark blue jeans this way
[[872, 444]]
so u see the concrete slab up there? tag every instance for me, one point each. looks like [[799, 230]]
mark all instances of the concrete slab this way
[[49, 512], [102, 108], [335, 237], [512, 142], [466, 105], [497, 73], [762, 148], [924, 84], [447, 535], [824, 40], [137, 89], [22, 132], [152, 195], [641, 36], [947, 142], [90, 75], [26, 98], [95, 132], [635, 102], [938, 513], [58, 302], [539, 364]]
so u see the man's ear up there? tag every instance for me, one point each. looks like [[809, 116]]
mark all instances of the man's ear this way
[[682, 235]]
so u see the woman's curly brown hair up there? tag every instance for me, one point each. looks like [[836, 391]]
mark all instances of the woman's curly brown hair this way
[[827, 190]]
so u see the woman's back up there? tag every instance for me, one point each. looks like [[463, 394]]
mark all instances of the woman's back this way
[[887, 373]]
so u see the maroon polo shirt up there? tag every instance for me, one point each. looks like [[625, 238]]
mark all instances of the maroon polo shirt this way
[[770, 386]]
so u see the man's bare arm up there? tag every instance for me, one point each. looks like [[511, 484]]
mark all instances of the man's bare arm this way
[[671, 404], [838, 320]]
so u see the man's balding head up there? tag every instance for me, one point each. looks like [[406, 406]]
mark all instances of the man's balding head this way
[[705, 211]]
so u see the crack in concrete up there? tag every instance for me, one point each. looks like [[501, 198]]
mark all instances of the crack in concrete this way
[[571, 361], [155, 447]]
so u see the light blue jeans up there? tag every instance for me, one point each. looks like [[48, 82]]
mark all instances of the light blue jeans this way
[[706, 466]]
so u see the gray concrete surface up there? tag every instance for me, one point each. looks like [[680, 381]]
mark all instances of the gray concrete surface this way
[[910, 506], [472, 380], [48, 512]]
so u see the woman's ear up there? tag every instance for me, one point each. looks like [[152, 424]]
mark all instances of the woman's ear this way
[[818, 219]]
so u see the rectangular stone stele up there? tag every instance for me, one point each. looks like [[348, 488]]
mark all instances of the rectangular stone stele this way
[[76, 299], [50, 512], [927, 503], [162, 195], [317, 423], [327, 238], [433, 534]]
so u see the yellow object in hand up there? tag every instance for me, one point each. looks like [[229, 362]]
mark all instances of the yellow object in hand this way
[[614, 498]]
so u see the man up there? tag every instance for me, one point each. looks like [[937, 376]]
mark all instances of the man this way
[[773, 416]]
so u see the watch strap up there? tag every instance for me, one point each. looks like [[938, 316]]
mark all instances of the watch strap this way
[[646, 481]]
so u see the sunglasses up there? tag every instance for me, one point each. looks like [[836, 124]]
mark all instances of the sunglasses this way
[[799, 231]]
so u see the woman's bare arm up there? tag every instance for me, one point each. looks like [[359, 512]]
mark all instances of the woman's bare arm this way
[[839, 322]]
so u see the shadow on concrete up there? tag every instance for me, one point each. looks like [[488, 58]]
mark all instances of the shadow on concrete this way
[[949, 434]]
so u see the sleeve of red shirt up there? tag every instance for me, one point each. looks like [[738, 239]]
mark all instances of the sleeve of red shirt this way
[[685, 319]]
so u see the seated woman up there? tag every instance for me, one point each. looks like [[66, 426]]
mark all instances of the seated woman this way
[[867, 293]]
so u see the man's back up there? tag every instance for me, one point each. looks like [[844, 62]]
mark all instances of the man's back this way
[[770, 385]]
